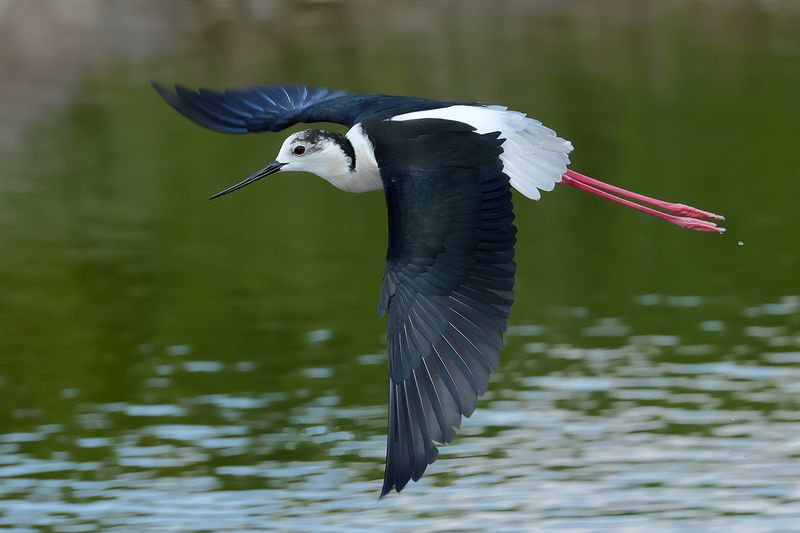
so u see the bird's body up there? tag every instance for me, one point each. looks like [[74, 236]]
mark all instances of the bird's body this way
[[447, 170]]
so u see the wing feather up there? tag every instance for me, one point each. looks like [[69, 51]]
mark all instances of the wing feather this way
[[268, 108], [448, 285], [275, 107]]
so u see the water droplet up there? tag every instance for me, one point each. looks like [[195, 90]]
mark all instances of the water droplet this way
[[741, 243]]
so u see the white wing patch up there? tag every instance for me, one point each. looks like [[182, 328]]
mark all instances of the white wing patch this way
[[534, 157]]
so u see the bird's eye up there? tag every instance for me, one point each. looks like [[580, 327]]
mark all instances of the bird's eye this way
[[299, 149]]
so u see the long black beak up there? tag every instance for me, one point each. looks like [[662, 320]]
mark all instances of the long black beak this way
[[272, 168]]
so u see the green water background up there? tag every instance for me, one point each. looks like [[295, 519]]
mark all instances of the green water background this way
[[166, 362]]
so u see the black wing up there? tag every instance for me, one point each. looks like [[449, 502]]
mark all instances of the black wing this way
[[448, 284], [275, 107]]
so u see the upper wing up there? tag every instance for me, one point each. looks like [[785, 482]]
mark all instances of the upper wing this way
[[275, 107], [448, 284], [534, 157], [253, 109]]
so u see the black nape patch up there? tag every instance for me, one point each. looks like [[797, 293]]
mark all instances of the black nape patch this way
[[314, 137]]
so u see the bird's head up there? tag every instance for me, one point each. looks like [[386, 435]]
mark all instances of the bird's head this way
[[327, 154]]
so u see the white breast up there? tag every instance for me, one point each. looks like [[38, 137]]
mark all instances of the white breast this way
[[366, 176], [534, 157]]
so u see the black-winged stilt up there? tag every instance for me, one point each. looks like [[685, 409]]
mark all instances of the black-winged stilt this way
[[447, 170]]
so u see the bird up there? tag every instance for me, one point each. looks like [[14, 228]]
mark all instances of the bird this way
[[447, 170]]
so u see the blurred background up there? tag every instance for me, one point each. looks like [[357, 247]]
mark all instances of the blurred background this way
[[167, 363]]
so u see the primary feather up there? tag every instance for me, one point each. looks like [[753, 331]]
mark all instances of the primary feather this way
[[448, 284]]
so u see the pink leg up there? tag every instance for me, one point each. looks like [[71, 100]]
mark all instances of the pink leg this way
[[677, 209], [682, 221]]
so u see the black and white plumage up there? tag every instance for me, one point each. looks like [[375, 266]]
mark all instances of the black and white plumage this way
[[534, 157], [447, 170]]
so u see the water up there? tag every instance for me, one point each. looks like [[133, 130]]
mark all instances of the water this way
[[172, 364]]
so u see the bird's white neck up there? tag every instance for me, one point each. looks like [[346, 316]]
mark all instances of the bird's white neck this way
[[365, 176]]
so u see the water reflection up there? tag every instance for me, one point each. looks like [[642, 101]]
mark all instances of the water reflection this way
[[166, 363], [573, 435]]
